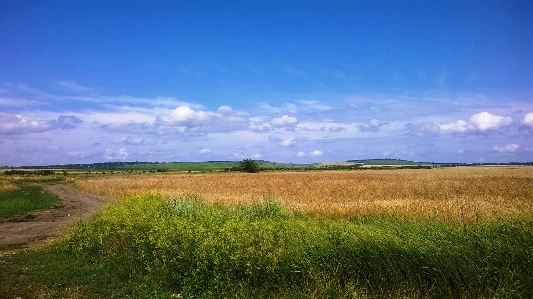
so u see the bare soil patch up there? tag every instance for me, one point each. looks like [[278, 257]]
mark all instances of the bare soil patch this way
[[35, 228]]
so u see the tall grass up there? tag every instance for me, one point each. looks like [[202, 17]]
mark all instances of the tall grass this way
[[189, 247]]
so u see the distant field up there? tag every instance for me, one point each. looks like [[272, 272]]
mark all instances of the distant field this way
[[451, 194]]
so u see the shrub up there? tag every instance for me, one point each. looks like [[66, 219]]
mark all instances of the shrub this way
[[248, 165]]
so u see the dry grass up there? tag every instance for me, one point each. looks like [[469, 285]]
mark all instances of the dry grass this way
[[6, 186], [452, 194]]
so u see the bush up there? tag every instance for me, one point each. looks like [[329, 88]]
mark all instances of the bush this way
[[248, 165]]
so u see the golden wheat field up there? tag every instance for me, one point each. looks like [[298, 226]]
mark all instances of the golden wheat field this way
[[449, 194]]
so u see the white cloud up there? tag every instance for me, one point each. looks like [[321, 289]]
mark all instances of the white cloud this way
[[485, 121], [18, 124], [205, 151], [316, 153], [301, 154], [258, 124], [510, 148], [184, 115], [284, 121], [374, 123], [528, 120], [224, 109], [288, 142], [257, 156], [459, 126], [121, 154], [480, 122]]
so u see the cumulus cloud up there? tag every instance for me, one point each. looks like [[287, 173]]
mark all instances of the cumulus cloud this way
[[459, 126], [288, 142], [258, 125], [372, 126], [224, 109], [485, 121], [316, 153], [185, 116], [121, 154], [19, 124], [284, 121], [301, 154], [185, 119], [528, 120], [480, 122], [510, 148]]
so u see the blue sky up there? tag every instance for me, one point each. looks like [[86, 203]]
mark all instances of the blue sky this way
[[286, 81]]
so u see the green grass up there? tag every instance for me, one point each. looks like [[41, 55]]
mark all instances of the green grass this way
[[153, 247], [25, 199]]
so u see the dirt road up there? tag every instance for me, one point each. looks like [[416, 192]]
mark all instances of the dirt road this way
[[33, 229]]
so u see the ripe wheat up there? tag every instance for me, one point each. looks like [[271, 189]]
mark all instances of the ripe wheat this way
[[453, 194]]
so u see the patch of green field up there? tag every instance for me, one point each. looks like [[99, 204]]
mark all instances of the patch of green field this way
[[153, 247], [25, 199]]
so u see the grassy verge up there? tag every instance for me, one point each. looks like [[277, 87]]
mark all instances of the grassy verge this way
[[23, 199], [152, 247]]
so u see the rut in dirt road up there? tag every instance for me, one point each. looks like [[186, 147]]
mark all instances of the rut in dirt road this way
[[34, 228]]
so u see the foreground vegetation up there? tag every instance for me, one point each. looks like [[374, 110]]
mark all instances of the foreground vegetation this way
[[154, 247], [440, 233]]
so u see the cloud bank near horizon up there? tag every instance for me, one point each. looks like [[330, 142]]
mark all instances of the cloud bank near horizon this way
[[152, 130]]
